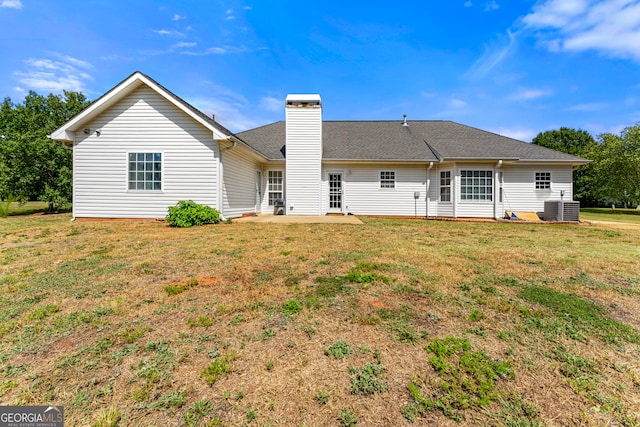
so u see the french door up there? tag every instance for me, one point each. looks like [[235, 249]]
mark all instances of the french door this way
[[335, 191]]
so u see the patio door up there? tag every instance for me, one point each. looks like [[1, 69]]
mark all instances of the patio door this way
[[335, 191]]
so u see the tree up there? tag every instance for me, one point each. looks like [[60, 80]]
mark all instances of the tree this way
[[579, 143], [32, 166], [617, 166]]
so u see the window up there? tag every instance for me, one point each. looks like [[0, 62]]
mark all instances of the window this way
[[387, 179], [543, 180], [445, 186], [275, 186], [145, 171], [476, 185]]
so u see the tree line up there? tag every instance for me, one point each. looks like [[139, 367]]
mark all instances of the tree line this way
[[613, 176], [34, 167]]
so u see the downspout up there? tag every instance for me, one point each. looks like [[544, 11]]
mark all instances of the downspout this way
[[221, 172], [498, 187], [428, 195], [454, 193]]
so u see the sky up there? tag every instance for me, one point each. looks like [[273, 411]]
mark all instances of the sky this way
[[514, 67]]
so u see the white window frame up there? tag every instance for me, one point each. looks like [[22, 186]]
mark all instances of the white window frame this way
[[443, 186], [275, 190], [389, 182], [481, 180], [156, 185], [542, 180]]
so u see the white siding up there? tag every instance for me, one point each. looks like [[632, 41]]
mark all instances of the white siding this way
[[362, 194], [239, 182], [304, 160], [520, 193], [143, 121]]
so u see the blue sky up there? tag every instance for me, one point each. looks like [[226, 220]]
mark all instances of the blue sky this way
[[515, 67]]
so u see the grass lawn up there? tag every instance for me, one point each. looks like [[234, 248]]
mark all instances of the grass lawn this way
[[386, 323], [25, 208], [629, 216]]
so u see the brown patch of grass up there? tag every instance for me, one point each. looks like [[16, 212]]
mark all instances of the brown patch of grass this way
[[118, 340]]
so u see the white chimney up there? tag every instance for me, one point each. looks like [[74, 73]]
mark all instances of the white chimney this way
[[303, 152]]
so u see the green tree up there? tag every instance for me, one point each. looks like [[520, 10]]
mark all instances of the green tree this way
[[32, 166], [617, 165], [578, 143]]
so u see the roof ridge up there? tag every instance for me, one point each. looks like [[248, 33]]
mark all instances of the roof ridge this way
[[384, 121]]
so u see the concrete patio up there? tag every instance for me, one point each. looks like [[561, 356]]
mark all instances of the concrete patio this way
[[302, 219]]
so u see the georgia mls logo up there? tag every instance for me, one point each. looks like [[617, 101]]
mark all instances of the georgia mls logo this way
[[31, 416]]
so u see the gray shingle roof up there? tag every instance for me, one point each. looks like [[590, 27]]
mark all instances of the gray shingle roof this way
[[422, 140]]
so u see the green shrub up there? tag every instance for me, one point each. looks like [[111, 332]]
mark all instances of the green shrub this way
[[187, 213]]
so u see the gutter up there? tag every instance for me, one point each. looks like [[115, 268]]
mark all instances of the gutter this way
[[428, 189], [234, 141]]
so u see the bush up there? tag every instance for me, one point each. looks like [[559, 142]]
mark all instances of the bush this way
[[187, 213]]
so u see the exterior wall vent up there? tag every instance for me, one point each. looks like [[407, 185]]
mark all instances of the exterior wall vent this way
[[560, 210]]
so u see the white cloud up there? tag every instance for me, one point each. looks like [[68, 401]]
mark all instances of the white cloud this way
[[526, 94], [73, 61], [468, 4], [272, 104], [521, 134], [491, 5], [183, 44], [177, 17], [116, 57], [457, 103], [588, 107], [19, 89], [54, 75], [224, 50], [493, 55], [227, 108], [172, 33], [230, 15], [556, 13], [611, 27], [13, 4]]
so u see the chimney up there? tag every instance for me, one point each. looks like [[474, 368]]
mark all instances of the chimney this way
[[303, 179]]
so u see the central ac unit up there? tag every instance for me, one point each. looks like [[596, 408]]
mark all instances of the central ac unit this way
[[561, 210]]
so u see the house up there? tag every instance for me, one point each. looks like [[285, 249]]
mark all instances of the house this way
[[139, 149]]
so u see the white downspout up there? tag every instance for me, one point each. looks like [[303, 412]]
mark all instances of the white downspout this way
[[498, 190], [428, 189], [454, 192]]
